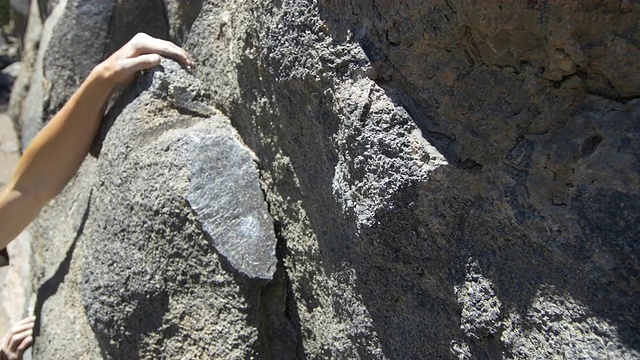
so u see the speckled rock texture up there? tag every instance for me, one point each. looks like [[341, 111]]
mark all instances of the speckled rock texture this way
[[443, 179], [164, 259]]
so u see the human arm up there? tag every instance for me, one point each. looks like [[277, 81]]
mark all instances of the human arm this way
[[56, 153]]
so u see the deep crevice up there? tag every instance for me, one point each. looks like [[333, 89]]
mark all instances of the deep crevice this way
[[281, 278], [281, 282]]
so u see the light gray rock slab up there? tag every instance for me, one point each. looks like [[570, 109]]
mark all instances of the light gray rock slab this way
[[227, 198]]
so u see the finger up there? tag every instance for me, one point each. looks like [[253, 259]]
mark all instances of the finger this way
[[29, 319], [141, 62], [18, 339], [18, 328], [151, 45], [24, 345]]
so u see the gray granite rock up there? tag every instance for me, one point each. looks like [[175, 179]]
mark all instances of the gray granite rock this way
[[179, 228], [445, 179]]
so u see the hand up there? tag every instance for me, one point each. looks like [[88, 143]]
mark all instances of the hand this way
[[17, 340], [140, 53]]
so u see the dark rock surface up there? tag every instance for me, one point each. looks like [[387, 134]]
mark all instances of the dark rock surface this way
[[445, 179]]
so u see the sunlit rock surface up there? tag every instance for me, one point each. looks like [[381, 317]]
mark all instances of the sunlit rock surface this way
[[444, 179]]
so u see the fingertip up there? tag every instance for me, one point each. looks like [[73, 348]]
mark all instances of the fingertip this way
[[26, 319], [184, 57], [187, 61]]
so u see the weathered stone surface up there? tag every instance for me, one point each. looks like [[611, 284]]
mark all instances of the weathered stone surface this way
[[446, 179], [158, 230], [180, 15]]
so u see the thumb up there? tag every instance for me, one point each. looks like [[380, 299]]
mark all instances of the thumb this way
[[141, 62]]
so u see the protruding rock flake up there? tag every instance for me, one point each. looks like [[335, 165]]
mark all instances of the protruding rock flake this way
[[226, 196]]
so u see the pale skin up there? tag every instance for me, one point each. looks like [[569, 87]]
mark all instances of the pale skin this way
[[56, 153], [17, 340]]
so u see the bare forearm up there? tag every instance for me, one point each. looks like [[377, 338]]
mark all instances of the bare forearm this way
[[54, 156], [17, 209], [57, 152]]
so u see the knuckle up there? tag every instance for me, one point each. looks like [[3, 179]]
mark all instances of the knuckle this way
[[140, 36], [137, 40]]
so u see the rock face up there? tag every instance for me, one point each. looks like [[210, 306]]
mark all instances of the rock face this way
[[162, 250], [348, 179]]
